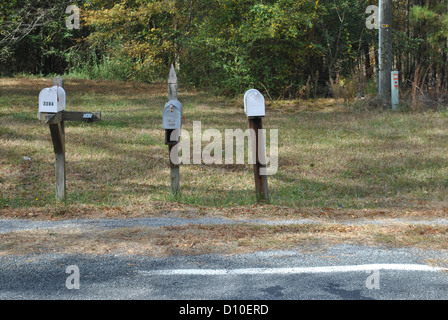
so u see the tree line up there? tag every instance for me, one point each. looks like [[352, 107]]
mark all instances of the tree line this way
[[287, 48]]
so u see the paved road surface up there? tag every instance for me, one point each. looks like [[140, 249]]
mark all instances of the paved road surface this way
[[366, 273], [344, 272]]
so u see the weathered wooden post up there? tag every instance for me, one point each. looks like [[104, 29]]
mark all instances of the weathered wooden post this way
[[58, 136], [172, 123], [254, 107], [52, 111]]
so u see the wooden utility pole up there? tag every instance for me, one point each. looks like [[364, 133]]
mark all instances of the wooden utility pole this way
[[385, 51], [174, 166]]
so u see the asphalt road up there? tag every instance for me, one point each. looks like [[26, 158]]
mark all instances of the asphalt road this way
[[285, 275], [341, 272]]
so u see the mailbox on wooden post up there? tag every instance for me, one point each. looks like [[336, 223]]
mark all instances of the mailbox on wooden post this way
[[254, 107], [52, 103], [172, 118]]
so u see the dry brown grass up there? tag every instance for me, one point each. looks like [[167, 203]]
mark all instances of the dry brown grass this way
[[175, 209], [223, 239], [334, 162]]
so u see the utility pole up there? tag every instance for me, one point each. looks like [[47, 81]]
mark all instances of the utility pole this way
[[385, 51]]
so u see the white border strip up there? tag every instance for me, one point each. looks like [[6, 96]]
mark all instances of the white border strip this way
[[300, 270]]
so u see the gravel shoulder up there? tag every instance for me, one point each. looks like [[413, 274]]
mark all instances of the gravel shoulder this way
[[10, 225]]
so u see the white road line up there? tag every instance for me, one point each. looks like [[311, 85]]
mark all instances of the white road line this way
[[300, 270]]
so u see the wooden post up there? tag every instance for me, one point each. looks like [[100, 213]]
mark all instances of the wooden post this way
[[174, 168], [172, 84], [174, 173], [56, 123], [58, 137], [261, 181]]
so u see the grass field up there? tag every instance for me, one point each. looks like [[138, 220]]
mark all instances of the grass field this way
[[334, 159]]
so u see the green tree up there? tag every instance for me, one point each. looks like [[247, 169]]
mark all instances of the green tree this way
[[141, 38], [240, 44], [33, 36]]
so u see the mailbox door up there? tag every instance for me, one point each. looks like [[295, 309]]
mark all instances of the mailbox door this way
[[52, 100], [255, 105], [248, 92], [172, 118], [48, 101], [172, 115]]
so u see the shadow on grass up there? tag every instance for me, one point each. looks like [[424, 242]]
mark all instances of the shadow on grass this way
[[325, 159]]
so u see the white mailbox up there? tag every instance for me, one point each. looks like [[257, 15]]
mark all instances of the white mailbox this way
[[254, 103], [52, 100], [172, 115]]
